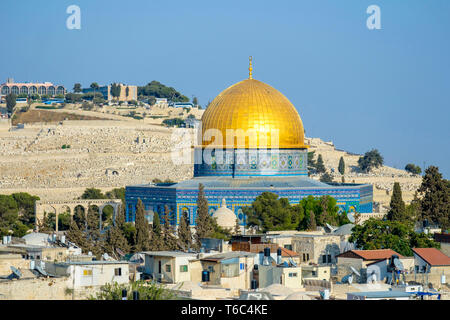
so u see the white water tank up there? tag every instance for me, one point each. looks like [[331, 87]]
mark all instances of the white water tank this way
[[32, 265]]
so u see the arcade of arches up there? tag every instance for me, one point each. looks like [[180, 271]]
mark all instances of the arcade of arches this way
[[61, 207]]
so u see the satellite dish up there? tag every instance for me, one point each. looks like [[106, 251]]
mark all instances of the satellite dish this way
[[40, 270], [355, 271], [16, 272], [350, 279]]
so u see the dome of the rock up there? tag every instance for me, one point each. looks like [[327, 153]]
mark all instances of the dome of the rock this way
[[253, 107]]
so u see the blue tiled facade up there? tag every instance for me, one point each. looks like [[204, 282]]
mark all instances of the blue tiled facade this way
[[350, 198], [283, 172]]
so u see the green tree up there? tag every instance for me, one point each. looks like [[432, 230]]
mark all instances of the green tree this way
[[237, 228], [268, 212], [371, 159], [184, 231], [115, 90], [127, 92], [412, 168], [25, 205], [94, 86], [10, 102], [312, 226], [77, 236], [204, 223], [77, 88], [195, 101], [92, 193], [341, 167], [397, 211], [147, 291], [168, 230], [95, 239], [156, 241], [379, 234], [326, 177], [115, 237], [320, 167], [435, 202], [142, 228]]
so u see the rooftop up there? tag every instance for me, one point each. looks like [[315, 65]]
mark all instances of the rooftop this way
[[432, 256], [378, 254], [229, 255], [173, 254], [263, 182], [94, 262], [288, 253], [382, 294]]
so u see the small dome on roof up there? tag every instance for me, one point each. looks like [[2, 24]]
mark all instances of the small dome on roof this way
[[225, 217]]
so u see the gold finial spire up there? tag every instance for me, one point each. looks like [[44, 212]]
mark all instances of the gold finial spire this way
[[250, 69]]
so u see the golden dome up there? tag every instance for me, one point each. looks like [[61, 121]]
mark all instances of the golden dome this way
[[253, 106]]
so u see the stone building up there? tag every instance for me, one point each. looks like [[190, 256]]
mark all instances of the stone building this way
[[317, 249]]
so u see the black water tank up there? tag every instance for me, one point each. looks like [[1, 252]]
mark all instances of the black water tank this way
[[279, 252], [255, 267], [254, 284], [135, 295], [124, 294], [205, 276], [267, 252]]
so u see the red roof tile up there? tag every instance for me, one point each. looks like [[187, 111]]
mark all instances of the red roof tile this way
[[288, 253], [432, 256], [378, 254]]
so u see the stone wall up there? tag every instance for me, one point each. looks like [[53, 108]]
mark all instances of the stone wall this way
[[42, 289]]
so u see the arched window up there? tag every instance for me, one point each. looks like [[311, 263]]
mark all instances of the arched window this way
[[24, 89], [42, 90], [5, 90], [15, 90], [60, 90], [51, 90], [32, 90]]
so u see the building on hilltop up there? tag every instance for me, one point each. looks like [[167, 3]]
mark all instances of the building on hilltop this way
[[106, 92], [264, 151], [29, 88]]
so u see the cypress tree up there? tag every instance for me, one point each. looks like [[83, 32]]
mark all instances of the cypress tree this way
[[184, 231], [435, 202], [341, 167], [169, 240], [312, 226], [115, 238], [75, 235], [94, 237], [204, 224], [142, 228], [320, 167], [156, 233], [237, 229], [397, 211]]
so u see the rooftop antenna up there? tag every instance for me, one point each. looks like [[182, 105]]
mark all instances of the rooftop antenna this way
[[250, 69]]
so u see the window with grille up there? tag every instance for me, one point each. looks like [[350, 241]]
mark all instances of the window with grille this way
[[118, 271], [184, 268], [168, 268]]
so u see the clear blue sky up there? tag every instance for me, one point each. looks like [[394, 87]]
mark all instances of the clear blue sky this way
[[387, 89]]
